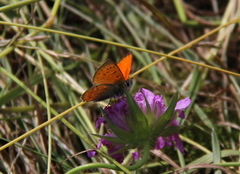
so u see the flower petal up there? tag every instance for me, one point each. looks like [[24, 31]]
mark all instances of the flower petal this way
[[179, 143], [106, 142], [149, 96], [159, 106], [136, 155], [169, 141], [183, 104], [91, 153], [112, 152], [140, 99], [160, 143], [99, 121], [181, 114], [117, 113]]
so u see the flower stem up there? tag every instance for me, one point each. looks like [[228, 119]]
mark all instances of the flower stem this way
[[146, 150], [136, 166]]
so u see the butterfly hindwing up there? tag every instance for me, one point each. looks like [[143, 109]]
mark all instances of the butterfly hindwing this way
[[101, 92]]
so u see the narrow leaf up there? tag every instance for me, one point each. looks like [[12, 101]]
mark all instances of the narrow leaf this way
[[114, 140], [170, 130], [167, 116], [137, 120], [216, 147]]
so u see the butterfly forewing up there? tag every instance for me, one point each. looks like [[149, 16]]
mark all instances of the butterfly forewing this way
[[108, 73], [125, 65]]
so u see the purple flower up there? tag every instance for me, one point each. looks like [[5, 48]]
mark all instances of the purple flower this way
[[182, 104], [118, 113], [91, 153], [126, 127], [99, 121], [136, 155], [156, 103], [157, 106], [112, 148]]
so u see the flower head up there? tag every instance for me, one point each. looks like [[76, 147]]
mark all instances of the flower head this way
[[142, 118]]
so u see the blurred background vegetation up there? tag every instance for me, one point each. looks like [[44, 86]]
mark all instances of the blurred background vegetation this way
[[43, 70]]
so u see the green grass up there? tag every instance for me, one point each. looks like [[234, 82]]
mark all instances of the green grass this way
[[51, 49]]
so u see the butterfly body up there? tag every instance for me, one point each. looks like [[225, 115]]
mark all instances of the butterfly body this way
[[109, 79]]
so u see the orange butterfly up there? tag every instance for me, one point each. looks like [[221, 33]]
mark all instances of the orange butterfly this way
[[110, 79]]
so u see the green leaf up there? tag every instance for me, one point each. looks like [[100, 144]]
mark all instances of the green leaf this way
[[149, 115], [137, 120], [114, 140], [170, 130], [215, 147], [166, 118]]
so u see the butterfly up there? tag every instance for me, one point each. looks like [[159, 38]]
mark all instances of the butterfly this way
[[110, 79]]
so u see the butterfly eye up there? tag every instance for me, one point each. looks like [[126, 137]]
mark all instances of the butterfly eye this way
[[128, 83]]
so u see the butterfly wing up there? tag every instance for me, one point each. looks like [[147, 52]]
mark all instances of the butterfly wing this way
[[110, 78], [125, 65], [102, 92], [108, 73]]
